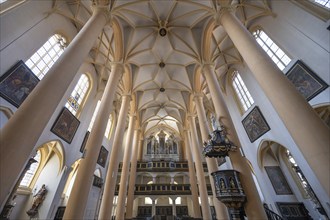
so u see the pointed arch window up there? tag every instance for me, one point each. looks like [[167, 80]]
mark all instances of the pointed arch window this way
[[42, 60], [280, 58], [108, 131], [28, 176], [242, 93], [304, 183], [78, 95]]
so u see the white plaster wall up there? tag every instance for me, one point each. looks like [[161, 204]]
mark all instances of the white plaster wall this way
[[20, 40], [303, 37]]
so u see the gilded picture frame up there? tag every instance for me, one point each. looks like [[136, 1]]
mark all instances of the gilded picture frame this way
[[17, 83], [83, 144], [255, 124], [103, 155], [308, 83], [65, 125]]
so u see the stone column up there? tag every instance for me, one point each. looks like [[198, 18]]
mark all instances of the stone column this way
[[140, 150], [253, 206], [206, 212], [220, 208], [80, 190], [16, 135], [302, 122], [153, 209], [132, 178], [110, 182], [173, 207], [192, 177], [125, 169]]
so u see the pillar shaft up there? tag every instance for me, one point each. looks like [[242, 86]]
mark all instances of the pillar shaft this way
[[80, 190], [220, 208], [125, 170], [110, 182], [16, 135], [253, 206], [132, 178], [206, 212], [192, 178], [302, 122]]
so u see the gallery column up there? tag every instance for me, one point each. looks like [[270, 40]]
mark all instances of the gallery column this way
[[37, 109], [206, 212], [192, 177], [111, 178], [302, 122], [253, 206], [125, 169], [80, 190], [220, 208], [132, 177]]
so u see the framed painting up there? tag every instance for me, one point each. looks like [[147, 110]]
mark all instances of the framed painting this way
[[83, 145], [17, 83], [103, 155], [65, 125], [305, 80], [278, 180], [255, 124]]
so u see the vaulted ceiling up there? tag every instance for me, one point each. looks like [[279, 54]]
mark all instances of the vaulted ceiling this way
[[163, 47]]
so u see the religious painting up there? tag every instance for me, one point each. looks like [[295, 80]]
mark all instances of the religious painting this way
[[255, 124], [97, 181], [17, 83], [103, 155], [305, 80], [65, 125], [278, 180], [83, 145]]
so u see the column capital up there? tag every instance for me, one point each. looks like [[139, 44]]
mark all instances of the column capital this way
[[118, 66], [190, 115], [198, 95], [126, 95], [207, 67], [99, 8]]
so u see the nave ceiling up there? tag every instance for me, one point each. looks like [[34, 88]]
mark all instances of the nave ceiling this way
[[156, 62]]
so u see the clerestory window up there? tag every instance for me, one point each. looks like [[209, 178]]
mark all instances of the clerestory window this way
[[242, 93], [280, 58], [78, 95], [42, 60]]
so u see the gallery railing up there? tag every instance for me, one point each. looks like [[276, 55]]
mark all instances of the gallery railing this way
[[163, 189], [162, 166], [272, 215]]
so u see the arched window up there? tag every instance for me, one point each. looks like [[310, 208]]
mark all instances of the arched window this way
[[304, 183], [242, 93], [27, 179], [147, 201], [42, 60], [107, 132], [94, 116], [78, 95], [273, 51]]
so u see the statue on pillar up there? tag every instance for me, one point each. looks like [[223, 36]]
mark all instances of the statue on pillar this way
[[37, 201]]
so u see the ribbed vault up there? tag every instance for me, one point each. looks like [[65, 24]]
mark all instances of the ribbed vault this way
[[163, 46]]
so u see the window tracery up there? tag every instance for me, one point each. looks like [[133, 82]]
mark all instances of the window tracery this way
[[42, 60], [280, 58], [242, 93]]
